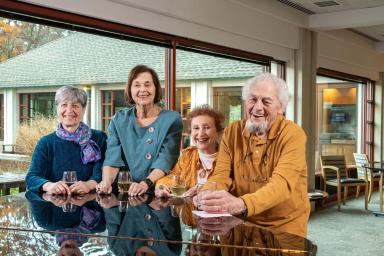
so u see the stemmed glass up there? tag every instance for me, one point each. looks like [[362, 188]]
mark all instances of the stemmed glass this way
[[69, 177], [124, 181], [178, 187]]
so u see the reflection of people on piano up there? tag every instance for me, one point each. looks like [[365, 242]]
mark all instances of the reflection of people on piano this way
[[209, 231], [143, 221], [268, 242], [86, 218]]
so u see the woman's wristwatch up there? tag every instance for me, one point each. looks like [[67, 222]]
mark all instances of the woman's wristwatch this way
[[149, 183]]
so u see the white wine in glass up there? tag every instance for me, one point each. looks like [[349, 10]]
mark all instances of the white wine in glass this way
[[178, 187], [124, 181]]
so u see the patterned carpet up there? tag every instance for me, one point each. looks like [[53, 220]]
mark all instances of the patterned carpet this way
[[353, 231]]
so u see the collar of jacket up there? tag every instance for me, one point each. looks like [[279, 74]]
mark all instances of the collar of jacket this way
[[198, 162]]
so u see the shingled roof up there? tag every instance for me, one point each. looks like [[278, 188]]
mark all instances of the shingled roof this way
[[90, 59]]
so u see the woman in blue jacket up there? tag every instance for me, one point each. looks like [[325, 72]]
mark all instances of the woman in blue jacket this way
[[144, 138]]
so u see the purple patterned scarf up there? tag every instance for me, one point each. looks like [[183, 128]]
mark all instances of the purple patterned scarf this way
[[90, 151], [89, 220]]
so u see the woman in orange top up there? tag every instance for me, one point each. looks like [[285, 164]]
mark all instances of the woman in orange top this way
[[196, 163]]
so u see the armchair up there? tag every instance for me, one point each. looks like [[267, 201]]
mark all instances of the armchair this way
[[364, 173], [334, 172]]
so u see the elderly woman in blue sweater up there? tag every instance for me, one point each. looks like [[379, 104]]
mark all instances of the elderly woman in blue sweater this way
[[72, 147]]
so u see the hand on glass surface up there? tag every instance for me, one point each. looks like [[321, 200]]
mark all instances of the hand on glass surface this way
[[221, 202], [159, 203], [81, 199], [138, 188], [107, 201], [79, 187], [138, 200], [56, 188], [104, 187], [162, 191], [218, 226], [58, 200]]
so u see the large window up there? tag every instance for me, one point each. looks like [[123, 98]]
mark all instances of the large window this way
[[216, 81], [33, 104], [337, 117], [345, 111], [199, 74]]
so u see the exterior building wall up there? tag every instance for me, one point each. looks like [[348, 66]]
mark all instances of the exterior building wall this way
[[11, 114]]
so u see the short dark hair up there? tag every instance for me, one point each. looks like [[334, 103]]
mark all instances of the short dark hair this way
[[133, 75], [206, 110]]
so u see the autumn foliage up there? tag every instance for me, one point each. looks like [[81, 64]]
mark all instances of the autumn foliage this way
[[17, 37]]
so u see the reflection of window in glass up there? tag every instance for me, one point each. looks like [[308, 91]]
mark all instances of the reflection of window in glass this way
[[216, 81], [337, 118]]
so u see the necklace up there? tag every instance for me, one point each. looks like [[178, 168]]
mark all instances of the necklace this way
[[204, 171]]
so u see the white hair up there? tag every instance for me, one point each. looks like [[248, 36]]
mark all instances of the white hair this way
[[71, 93], [280, 84]]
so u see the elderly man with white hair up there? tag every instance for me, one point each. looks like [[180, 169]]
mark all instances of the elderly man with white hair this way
[[261, 162]]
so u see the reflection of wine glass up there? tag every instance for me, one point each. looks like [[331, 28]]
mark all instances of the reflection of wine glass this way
[[123, 202], [69, 207], [207, 239], [178, 187], [69, 177], [176, 210], [124, 181]]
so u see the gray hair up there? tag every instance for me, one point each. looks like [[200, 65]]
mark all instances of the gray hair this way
[[71, 93], [280, 84]]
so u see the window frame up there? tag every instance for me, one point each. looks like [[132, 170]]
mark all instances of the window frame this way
[[66, 20], [368, 107]]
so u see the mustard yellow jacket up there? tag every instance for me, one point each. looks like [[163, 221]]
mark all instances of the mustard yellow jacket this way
[[269, 174], [268, 242], [187, 167]]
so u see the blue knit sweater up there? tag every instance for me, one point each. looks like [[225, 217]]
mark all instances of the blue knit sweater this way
[[53, 156]]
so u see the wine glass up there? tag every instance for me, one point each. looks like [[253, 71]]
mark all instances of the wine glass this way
[[178, 187], [69, 177], [124, 181]]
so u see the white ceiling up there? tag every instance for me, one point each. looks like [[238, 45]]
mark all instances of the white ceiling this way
[[365, 17]]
